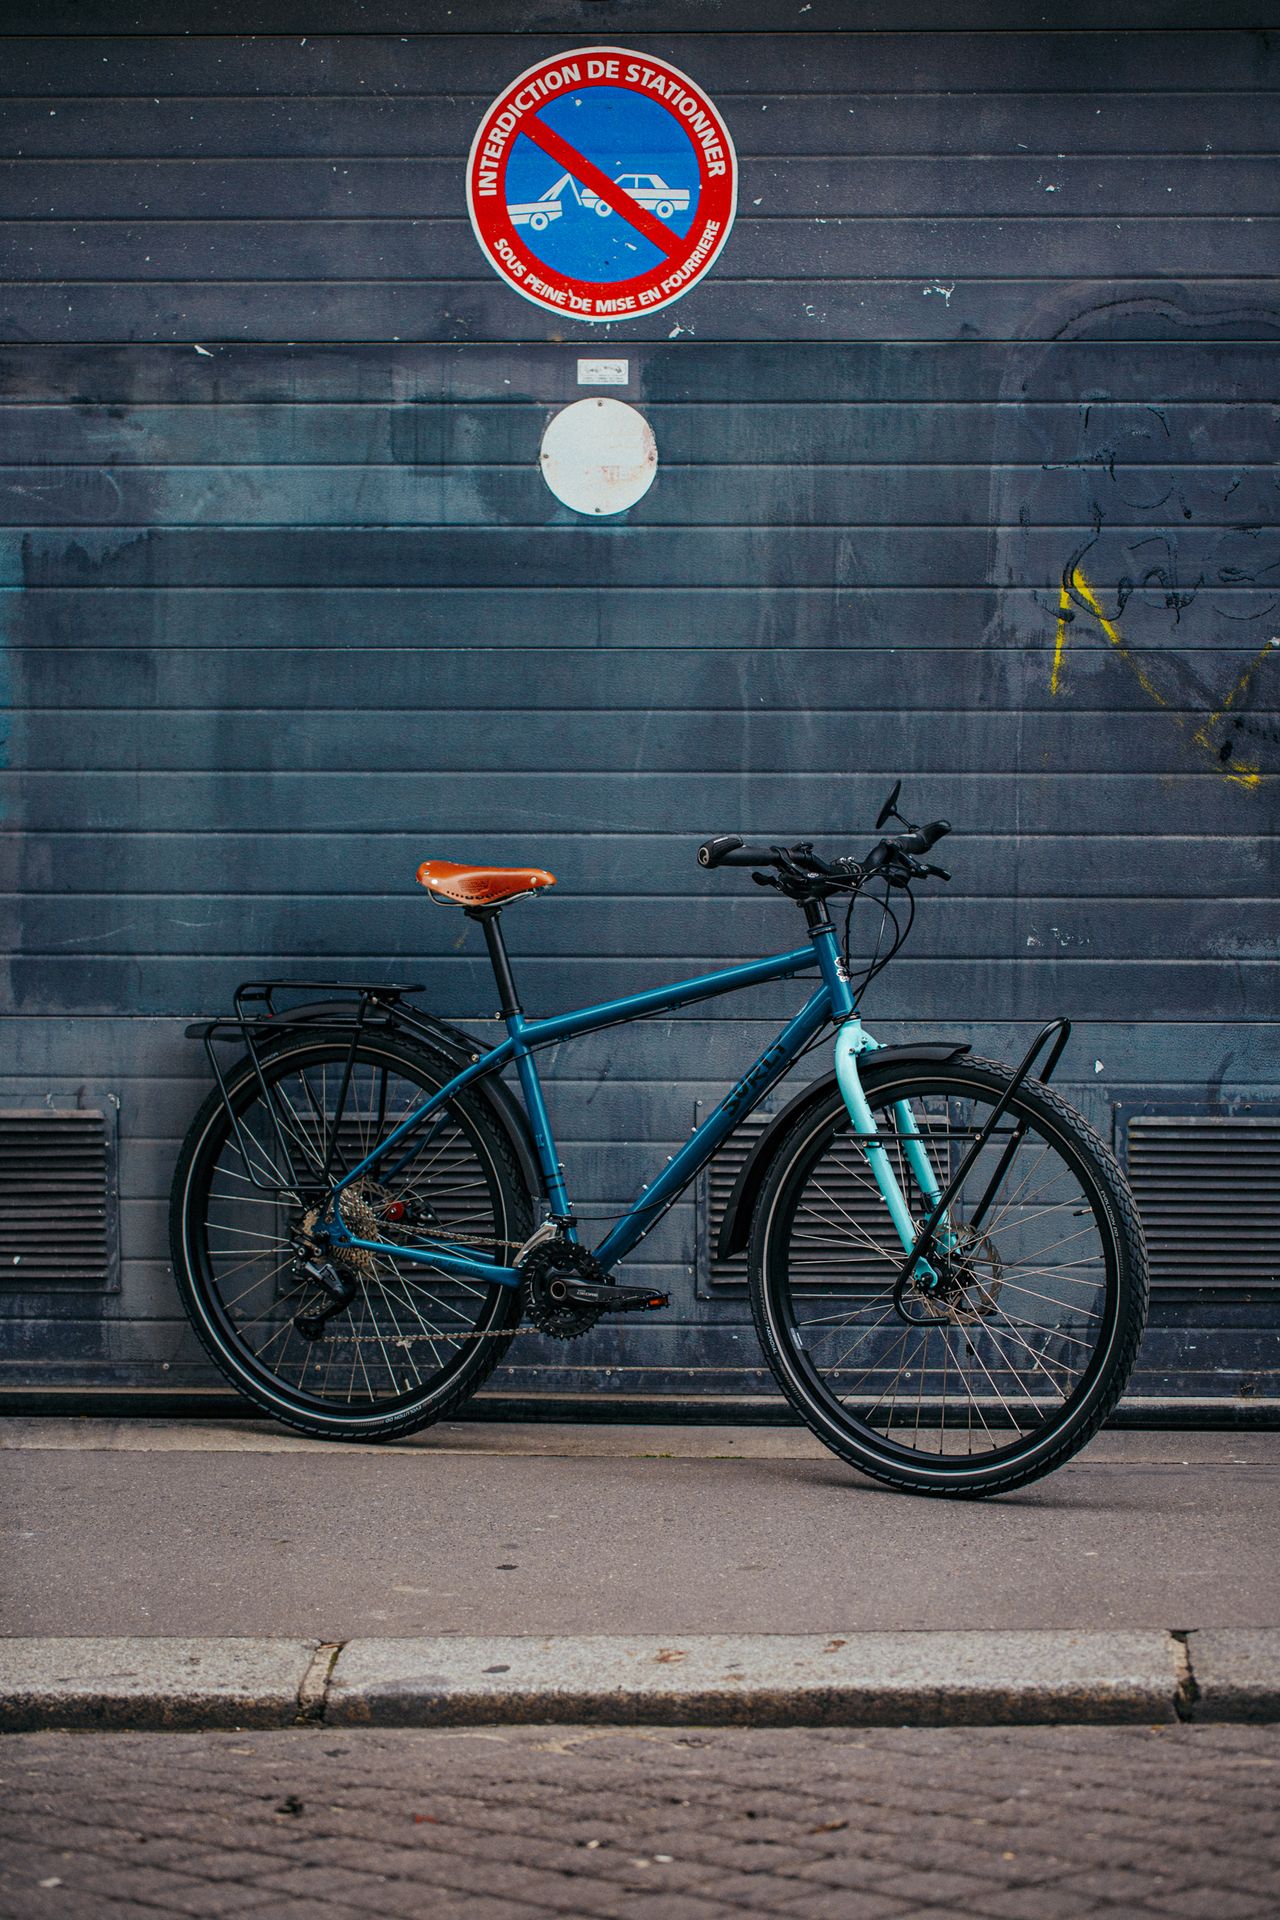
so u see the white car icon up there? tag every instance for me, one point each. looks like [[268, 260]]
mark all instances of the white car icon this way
[[539, 213], [649, 189]]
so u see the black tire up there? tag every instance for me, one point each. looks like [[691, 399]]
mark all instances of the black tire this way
[[420, 1343], [821, 1239]]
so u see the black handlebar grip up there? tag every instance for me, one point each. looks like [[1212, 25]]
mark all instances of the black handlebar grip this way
[[712, 852], [922, 838], [750, 857]]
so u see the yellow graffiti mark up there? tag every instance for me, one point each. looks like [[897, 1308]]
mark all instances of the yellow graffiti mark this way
[[1244, 774], [1065, 612], [1241, 773]]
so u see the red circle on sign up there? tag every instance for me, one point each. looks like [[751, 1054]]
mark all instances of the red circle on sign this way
[[515, 113]]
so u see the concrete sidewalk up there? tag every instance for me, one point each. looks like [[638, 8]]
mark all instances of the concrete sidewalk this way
[[164, 1574]]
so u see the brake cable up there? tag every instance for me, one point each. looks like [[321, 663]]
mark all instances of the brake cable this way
[[878, 962]]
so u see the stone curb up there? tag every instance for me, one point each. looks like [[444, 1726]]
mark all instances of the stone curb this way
[[863, 1679], [1235, 1673], [152, 1683], [859, 1679]]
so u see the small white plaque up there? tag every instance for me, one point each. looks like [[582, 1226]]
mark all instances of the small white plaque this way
[[603, 373], [599, 455]]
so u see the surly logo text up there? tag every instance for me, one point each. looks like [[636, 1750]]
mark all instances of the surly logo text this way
[[757, 1081]]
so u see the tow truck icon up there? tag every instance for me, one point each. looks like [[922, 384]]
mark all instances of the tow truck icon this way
[[648, 190], [539, 213]]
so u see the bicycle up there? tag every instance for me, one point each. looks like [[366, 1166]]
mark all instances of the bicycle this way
[[946, 1269]]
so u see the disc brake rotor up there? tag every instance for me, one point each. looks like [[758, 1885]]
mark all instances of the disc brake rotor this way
[[970, 1281]]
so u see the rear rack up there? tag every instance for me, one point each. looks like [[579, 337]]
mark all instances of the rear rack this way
[[258, 1020]]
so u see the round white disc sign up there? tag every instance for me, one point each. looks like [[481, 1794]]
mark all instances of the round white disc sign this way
[[599, 456]]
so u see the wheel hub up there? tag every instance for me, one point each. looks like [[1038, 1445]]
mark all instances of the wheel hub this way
[[970, 1277]]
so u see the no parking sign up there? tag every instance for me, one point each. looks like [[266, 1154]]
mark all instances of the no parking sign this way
[[602, 183]]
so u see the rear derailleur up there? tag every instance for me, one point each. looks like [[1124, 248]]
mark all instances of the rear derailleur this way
[[365, 1209], [336, 1282]]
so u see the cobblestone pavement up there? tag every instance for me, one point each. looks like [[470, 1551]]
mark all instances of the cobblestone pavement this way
[[653, 1824]]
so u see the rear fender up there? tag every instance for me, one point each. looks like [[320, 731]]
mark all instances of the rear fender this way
[[736, 1224]]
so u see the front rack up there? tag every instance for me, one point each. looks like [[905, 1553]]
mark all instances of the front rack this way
[[258, 1023], [1054, 1037]]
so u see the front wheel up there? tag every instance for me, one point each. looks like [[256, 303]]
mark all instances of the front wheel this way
[[1015, 1358]]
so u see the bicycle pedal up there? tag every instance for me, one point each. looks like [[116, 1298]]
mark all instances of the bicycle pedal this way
[[606, 1299]]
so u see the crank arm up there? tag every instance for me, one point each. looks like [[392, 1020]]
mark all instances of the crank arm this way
[[606, 1299]]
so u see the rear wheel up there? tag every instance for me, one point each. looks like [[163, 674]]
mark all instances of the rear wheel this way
[[413, 1342], [1017, 1357]]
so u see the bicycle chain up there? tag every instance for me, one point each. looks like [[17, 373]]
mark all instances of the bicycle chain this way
[[558, 1321], [461, 1238]]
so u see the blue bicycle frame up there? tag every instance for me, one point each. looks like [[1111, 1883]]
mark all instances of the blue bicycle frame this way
[[832, 1000]]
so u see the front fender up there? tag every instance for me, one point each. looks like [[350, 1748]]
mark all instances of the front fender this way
[[736, 1224]]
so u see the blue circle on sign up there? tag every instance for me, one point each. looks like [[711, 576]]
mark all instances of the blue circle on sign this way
[[643, 149]]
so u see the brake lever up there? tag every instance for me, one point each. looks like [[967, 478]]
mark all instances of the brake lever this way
[[917, 870], [790, 864]]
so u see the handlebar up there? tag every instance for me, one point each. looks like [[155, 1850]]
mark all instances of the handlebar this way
[[920, 839], [895, 856], [728, 851]]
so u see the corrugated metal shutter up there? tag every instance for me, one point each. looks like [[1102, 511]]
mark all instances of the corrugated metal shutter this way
[[1208, 1190], [58, 1225]]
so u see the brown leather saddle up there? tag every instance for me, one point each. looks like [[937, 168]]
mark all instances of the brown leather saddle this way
[[466, 886]]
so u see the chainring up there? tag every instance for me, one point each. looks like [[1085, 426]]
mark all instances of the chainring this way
[[557, 1259]]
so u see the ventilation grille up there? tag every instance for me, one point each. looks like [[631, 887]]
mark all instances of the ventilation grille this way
[[846, 1202], [716, 1184], [1208, 1190], [57, 1201]]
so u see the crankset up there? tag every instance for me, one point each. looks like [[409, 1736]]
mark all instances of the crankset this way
[[566, 1290]]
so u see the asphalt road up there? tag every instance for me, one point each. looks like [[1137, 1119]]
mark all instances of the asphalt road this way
[[167, 1529], [1177, 1823]]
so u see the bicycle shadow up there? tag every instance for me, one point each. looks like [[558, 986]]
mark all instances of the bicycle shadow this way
[[1039, 1496]]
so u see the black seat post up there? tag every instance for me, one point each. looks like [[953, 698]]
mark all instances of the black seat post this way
[[490, 919]]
